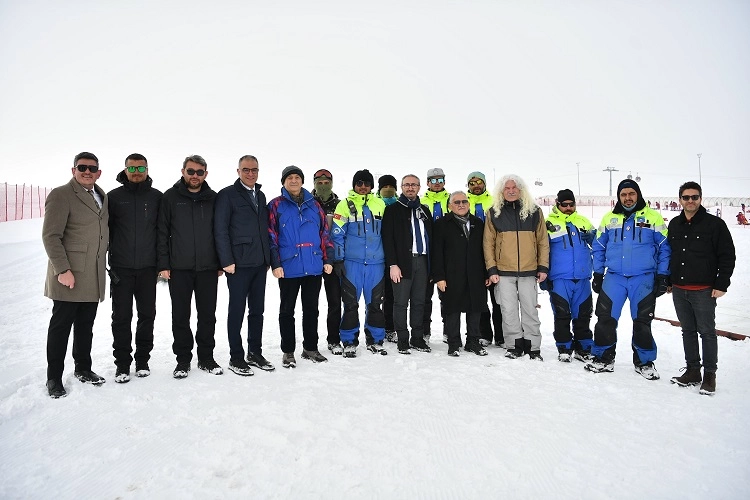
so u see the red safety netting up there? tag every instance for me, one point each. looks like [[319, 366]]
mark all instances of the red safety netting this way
[[21, 201]]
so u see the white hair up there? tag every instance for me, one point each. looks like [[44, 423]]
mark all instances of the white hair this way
[[528, 206]]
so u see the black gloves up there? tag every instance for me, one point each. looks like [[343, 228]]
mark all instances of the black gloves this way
[[587, 236], [546, 285], [661, 283], [338, 268], [596, 283]]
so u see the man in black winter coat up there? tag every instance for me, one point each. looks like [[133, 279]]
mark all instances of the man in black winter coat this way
[[457, 265], [187, 258], [701, 266], [406, 233], [133, 214], [241, 235]]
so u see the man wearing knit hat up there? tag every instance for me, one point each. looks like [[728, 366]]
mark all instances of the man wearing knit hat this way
[[436, 199], [569, 279], [480, 202], [359, 262], [323, 194], [301, 251], [632, 247], [387, 192]]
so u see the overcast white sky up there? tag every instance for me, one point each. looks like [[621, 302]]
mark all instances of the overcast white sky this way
[[392, 86]]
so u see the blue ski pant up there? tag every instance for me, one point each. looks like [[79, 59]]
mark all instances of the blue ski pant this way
[[359, 279], [571, 301], [639, 291]]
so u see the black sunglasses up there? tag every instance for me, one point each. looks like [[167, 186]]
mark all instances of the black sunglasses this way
[[694, 197], [140, 169], [91, 168], [199, 172], [567, 203], [460, 202], [363, 183]]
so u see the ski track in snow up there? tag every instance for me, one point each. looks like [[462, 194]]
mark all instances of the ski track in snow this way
[[395, 426]]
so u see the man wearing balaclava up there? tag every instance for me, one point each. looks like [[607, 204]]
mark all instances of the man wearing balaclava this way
[[632, 248], [388, 193], [323, 194]]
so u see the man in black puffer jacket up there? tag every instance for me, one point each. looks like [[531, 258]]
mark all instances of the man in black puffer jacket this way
[[133, 213], [187, 258]]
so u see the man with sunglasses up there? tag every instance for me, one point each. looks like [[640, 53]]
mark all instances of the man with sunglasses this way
[[359, 263], [407, 230], [702, 263], [631, 245], [241, 237], [75, 236], [133, 214], [480, 202], [324, 195], [569, 280], [457, 268], [436, 199], [187, 259]]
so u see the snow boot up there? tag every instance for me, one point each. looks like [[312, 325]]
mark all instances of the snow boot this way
[[691, 376]]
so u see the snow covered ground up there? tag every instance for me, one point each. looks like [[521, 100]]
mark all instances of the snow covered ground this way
[[419, 426]]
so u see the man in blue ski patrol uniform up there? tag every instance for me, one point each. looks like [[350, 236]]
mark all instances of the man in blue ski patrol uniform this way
[[569, 279], [480, 202], [436, 199], [632, 246], [359, 261]]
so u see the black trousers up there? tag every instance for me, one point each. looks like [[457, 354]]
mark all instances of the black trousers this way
[[388, 301], [452, 324], [141, 285], [409, 294], [486, 326], [246, 285], [182, 285], [332, 286], [289, 288], [80, 316]]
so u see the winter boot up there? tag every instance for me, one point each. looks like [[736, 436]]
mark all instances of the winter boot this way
[[350, 351], [313, 356], [708, 387], [647, 371], [690, 376]]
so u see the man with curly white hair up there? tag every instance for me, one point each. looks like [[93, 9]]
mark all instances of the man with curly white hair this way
[[516, 254]]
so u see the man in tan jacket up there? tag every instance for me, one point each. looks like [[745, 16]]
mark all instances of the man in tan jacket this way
[[75, 237], [516, 254]]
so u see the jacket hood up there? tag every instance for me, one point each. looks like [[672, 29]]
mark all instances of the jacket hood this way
[[122, 178]]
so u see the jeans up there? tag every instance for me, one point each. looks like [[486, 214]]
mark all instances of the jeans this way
[[696, 310]]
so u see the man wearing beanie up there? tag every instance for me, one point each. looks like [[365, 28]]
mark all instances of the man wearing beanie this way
[[632, 247], [323, 194], [569, 280], [480, 202], [300, 253], [387, 192], [436, 199], [359, 262]]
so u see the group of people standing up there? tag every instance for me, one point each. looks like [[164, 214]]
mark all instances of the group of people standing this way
[[393, 249]]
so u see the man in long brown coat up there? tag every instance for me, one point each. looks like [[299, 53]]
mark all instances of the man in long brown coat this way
[[75, 237]]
